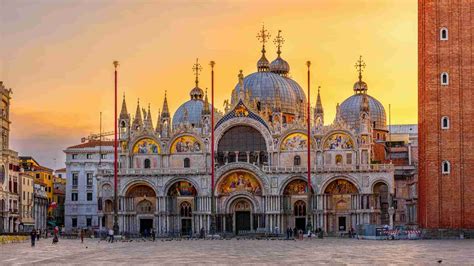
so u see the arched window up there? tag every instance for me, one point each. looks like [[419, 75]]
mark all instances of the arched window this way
[[444, 79], [145, 206], [444, 122], [445, 167], [338, 159], [186, 210], [299, 209], [443, 34], [2, 174], [297, 160], [187, 163], [147, 163]]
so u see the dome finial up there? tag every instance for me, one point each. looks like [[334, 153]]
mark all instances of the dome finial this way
[[196, 69], [263, 36], [360, 65], [360, 86], [279, 41]]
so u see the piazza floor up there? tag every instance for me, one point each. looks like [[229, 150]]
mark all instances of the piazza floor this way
[[234, 251]]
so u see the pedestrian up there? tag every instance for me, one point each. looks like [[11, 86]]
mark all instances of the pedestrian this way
[[201, 232], [153, 234], [38, 234], [295, 232], [33, 237], [111, 235], [81, 233]]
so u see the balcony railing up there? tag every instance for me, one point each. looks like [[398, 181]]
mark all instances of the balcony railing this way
[[265, 168]]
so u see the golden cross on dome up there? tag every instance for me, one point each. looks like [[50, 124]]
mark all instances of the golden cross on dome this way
[[196, 69], [360, 65], [279, 41], [263, 35]]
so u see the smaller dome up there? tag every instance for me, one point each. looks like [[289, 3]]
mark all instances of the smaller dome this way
[[360, 86], [263, 63], [280, 66], [196, 93]]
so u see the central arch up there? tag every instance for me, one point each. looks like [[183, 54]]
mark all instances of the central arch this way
[[180, 205], [141, 199]]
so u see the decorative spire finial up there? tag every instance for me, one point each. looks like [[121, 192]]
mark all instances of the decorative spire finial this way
[[360, 65], [196, 69], [263, 37], [116, 64], [212, 64], [279, 41]]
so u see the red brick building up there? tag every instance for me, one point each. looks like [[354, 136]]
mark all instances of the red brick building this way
[[446, 114]]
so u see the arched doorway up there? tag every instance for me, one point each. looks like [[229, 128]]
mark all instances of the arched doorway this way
[[242, 209], [340, 194], [180, 206], [242, 144], [242, 188], [295, 197], [380, 200], [141, 200]]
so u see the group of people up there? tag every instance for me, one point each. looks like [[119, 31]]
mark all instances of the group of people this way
[[36, 235], [295, 233]]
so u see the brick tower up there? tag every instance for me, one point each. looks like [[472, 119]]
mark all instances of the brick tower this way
[[446, 114]]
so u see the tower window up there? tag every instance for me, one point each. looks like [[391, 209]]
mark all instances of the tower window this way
[[443, 34], [444, 122], [444, 78], [187, 163], [146, 163], [297, 160], [445, 167]]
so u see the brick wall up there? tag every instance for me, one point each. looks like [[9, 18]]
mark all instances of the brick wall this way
[[446, 200]]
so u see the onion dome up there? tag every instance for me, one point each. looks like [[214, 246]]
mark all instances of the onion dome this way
[[360, 86], [279, 65], [196, 93], [263, 64]]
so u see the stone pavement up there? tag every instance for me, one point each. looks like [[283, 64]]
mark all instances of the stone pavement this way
[[330, 250]]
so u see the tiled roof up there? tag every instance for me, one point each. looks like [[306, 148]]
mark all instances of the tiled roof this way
[[61, 170], [92, 144]]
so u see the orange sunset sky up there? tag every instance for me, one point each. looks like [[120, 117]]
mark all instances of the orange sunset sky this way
[[57, 57]]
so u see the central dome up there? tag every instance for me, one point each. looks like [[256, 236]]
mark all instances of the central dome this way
[[270, 88]]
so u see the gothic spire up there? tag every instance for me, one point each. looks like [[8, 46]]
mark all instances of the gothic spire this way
[[158, 122], [165, 112], [124, 112], [137, 121], [319, 106], [148, 120], [206, 109]]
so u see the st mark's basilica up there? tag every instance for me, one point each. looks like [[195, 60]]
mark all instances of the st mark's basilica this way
[[164, 178]]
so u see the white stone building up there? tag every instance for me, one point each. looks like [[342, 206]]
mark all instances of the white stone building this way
[[82, 163], [261, 161]]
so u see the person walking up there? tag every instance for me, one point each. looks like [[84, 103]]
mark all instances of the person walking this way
[[38, 234], [111, 235], [81, 234], [33, 237]]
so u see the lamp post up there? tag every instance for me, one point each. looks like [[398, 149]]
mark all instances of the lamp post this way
[[308, 117], [116, 226], [213, 205]]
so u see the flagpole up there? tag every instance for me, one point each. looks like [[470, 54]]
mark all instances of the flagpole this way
[[213, 205], [308, 120], [116, 226]]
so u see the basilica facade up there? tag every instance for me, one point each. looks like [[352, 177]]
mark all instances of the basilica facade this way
[[260, 147]]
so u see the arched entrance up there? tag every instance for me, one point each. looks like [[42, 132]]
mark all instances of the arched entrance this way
[[340, 196], [240, 191], [141, 200], [242, 210], [295, 196], [242, 144], [180, 206], [381, 202]]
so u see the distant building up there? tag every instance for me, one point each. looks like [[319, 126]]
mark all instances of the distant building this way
[[402, 151], [27, 221], [82, 164], [59, 196], [9, 170], [40, 206]]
